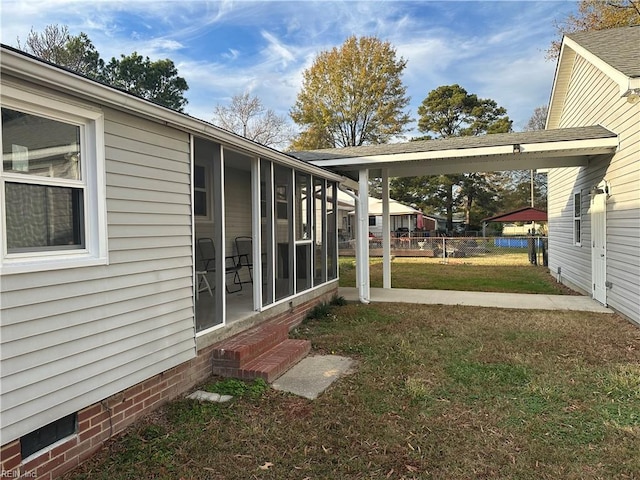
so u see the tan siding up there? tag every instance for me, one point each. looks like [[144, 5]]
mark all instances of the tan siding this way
[[593, 98], [237, 206], [72, 337]]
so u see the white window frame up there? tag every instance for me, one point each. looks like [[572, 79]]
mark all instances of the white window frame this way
[[92, 168], [577, 218], [208, 191]]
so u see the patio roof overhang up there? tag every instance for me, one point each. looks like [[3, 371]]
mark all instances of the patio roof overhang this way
[[567, 147], [543, 149]]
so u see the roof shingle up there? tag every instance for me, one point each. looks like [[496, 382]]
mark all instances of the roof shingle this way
[[619, 47]]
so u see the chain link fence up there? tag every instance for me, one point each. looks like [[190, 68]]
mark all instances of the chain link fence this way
[[532, 249]]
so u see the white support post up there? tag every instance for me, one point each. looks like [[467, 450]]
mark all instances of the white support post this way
[[219, 236], [362, 255], [256, 234], [386, 231]]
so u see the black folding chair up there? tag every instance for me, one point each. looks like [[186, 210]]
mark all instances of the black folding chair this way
[[207, 252], [244, 248]]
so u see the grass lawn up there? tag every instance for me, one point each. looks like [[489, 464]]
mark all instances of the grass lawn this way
[[439, 392], [507, 273]]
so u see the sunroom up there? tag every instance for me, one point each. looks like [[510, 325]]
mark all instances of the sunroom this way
[[265, 231]]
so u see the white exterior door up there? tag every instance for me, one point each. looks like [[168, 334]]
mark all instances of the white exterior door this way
[[599, 247]]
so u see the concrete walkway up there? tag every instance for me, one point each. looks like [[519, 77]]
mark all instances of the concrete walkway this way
[[480, 299]]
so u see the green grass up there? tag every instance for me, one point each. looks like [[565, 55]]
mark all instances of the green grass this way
[[513, 274], [439, 392]]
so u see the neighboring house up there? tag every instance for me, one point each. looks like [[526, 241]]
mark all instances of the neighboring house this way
[[403, 217], [109, 308], [594, 211]]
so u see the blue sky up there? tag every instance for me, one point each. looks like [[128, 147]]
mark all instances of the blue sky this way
[[495, 49]]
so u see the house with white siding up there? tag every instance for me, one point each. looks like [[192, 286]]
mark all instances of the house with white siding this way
[[112, 301], [594, 210]]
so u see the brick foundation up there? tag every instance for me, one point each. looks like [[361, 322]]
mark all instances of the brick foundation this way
[[100, 421]]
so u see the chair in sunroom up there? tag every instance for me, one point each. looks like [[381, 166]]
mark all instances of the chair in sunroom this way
[[244, 249], [207, 252]]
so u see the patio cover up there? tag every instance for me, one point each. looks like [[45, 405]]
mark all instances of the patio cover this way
[[563, 147], [527, 214], [541, 149]]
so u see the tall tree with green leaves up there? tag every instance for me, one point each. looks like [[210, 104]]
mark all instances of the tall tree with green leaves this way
[[56, 45], [596, 15], [157, 81], [352, 95], [450, 111]]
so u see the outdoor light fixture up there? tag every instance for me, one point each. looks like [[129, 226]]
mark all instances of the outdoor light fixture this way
[[516, 148], [633, 95], [599, 189]]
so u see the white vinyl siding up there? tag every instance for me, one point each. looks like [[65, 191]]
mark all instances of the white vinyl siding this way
[[592, 99], [76, 336]]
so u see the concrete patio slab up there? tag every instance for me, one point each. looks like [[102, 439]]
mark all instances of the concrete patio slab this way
[[480, 299], [313, 375]]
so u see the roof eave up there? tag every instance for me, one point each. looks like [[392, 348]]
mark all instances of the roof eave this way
[[625, 83], [598, 146], [51, 76]]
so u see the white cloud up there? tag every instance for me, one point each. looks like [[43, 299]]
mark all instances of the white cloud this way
[[276, 51], [232, 54], [226, 47]]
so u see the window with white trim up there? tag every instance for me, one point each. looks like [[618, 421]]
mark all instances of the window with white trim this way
[[201, 192], [51, 184], [577, 218]]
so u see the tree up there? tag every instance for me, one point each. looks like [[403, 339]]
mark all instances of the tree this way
[[596, 15], [352, 95], [538, 119], [56, 45], [247, 116], [450, 111], [527, 186], [157, 81]]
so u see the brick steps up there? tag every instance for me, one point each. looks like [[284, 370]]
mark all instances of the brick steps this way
[[261, 352]]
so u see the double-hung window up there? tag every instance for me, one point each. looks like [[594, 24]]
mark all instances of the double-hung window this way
[[52, 184], [577, 218]]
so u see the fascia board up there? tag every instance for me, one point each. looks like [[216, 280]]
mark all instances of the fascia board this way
[[559, 148], [556, 100], [415, 156], [61, 80]]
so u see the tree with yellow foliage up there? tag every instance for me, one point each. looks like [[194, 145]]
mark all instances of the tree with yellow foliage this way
[[596, 15], [352, 95]]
